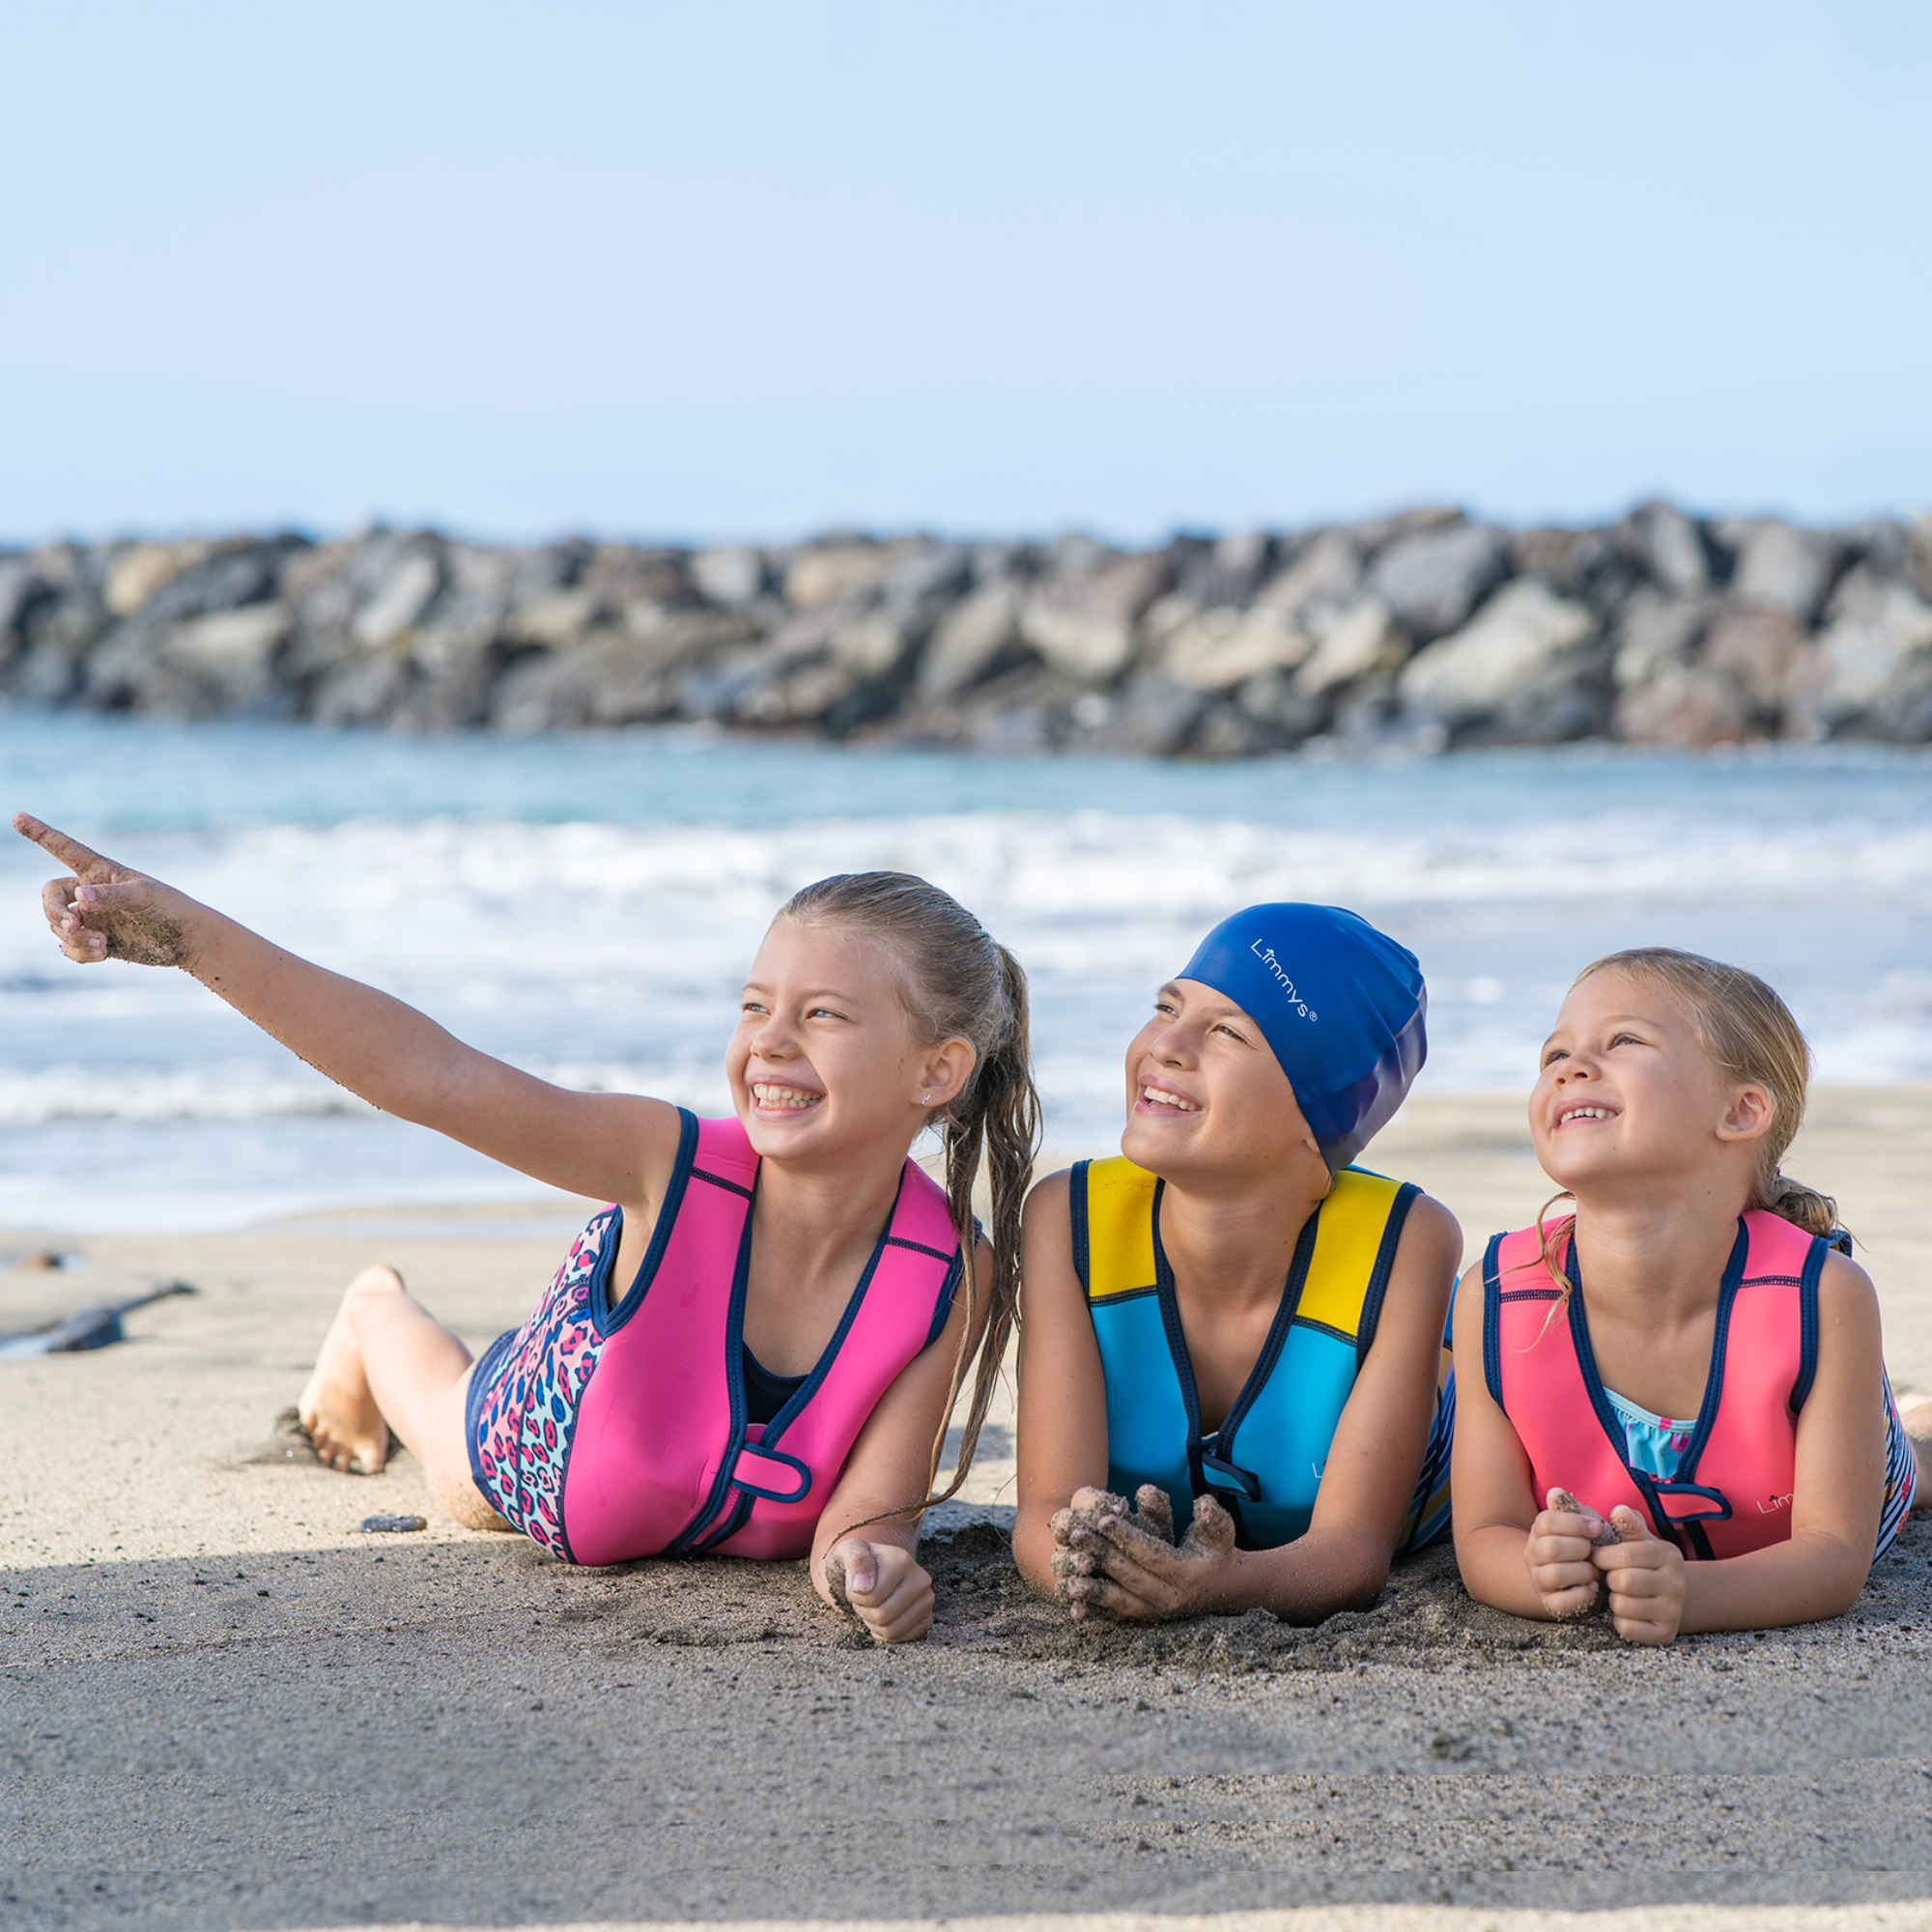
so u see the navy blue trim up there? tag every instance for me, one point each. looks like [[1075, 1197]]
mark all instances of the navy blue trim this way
[[734, 1341], [604, 1318], [1807, 1321], [1076, 1213], [1176, 1345], [718, 1181], [1285, 1316], [734, 1385], [1713, 1380], [1125, 1294], [1531, 1294], [1691, 1527], [1211, 1462], [803, 1469], [942, 1309], [919, 1247], [1722, 1513], [1379, 1278], [1492, 1314], [1707, 1413], [1329, 1329]]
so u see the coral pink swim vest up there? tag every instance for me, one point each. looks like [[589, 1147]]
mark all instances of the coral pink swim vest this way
[[613, 1431], [1733, 1489]]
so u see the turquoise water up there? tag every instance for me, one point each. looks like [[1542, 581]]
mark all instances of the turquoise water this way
[[586, 906]]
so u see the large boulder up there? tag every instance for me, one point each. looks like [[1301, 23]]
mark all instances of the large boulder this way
[[224, 661], [978, 638], [1784, 569], [1226, 572], [141, 569], [1568, 560], [1220, 648], [398, 599], [1876, 628], [633, 674], [1670, 549], [1323, 575], [1151, 714], [1683, 707], [1471, 675], [1354, 642], [1433, 581], [824, 572], [732, 575], [1757, 645], [1082, 623], [1652, 628]]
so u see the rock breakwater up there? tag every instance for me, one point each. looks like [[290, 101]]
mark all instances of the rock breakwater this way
[[1427, 629]]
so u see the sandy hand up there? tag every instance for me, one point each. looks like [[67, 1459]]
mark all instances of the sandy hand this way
[[1607, 1535], [1116, 1565], [1563, 1542], [105, 911], [882, 1585], [1077, 1525], [1644, 1576]]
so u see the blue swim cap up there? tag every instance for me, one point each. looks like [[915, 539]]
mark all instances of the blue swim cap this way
[[1341, 1004]]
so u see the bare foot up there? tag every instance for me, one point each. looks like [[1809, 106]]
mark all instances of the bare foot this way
[[336, 1408]]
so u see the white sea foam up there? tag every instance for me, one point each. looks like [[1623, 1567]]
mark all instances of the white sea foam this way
[[607, 955]]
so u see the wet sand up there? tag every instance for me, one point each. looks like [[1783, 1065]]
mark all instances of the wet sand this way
[[227, 1707]]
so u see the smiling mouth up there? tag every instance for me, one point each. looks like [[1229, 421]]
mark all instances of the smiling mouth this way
[[784, 1099], [1163, 1097], [1569, 1114]]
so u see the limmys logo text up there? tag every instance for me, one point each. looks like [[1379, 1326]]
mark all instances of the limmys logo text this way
[[1266, 954]]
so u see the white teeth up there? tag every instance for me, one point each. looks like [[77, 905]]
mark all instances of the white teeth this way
[[1160, 1097], [1583, 1114], [782, 1096]]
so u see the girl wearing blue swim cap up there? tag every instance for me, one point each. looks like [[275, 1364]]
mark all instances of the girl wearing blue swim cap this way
[[1229, 1323]]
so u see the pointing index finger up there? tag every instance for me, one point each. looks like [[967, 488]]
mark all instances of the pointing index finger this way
[[87, 865]]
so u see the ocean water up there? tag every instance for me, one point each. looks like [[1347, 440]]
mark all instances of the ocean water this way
[[586, 907]]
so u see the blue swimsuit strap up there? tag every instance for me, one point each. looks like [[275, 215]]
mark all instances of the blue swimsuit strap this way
[[1707, 1413], [1201, 1458]]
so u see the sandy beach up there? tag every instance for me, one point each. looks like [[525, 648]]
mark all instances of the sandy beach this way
[[228, 1706]]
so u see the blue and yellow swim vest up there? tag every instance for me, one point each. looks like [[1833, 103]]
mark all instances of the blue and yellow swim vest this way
[[1265, 1460]]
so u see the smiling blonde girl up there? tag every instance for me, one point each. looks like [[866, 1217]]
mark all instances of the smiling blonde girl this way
[[754, 1349], [1684, 1402]]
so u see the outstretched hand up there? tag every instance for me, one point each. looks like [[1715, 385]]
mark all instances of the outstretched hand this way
[[883, 1586], [105, 911], [1109, 1563]]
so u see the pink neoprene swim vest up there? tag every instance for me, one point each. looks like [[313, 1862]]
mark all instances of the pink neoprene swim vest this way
[[619, 1431], [1733, 1488]]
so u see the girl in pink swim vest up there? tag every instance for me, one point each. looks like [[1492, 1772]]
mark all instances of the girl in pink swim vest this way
[[1684, 1404], [755, 1347]]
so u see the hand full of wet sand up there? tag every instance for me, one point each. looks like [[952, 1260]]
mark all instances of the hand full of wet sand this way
[[1112, 1563]]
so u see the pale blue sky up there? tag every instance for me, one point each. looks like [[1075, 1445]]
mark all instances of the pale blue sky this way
[[737, 269]]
